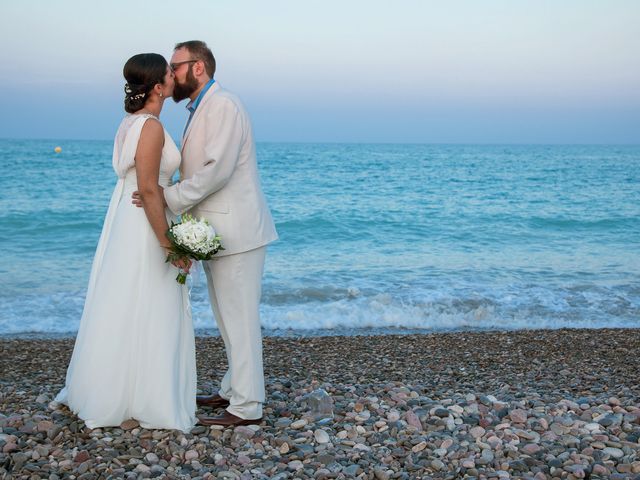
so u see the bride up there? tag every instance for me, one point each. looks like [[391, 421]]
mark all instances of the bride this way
[[134, 356]]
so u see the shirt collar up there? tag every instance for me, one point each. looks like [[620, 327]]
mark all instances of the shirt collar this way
[[192, 105]]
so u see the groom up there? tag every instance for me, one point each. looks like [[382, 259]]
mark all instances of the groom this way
[[220, 182]]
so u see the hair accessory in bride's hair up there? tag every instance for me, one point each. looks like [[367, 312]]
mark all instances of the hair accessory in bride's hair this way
[[129, 91]]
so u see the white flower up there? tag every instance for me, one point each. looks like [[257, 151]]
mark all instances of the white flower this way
[[196, 235]]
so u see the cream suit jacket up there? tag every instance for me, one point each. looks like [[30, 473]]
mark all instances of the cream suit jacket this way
[[219, 174]]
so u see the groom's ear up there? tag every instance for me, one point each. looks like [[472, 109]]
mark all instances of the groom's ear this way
[[198, 68]]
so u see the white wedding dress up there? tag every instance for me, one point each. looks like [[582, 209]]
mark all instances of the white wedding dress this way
[[134, 356]]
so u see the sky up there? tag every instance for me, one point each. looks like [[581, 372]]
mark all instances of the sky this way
[[410, 71]]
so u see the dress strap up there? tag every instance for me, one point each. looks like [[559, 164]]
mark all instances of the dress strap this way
[[123, 160]]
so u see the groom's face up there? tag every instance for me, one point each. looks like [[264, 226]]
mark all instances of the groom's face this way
[[185, 82]]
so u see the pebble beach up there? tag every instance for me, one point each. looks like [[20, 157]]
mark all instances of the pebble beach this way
[[530, 404]]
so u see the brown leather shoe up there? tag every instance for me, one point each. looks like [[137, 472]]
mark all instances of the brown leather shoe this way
[[213, 401], [228, 420]]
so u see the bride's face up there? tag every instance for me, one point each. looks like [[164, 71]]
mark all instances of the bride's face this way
[[169, 83]]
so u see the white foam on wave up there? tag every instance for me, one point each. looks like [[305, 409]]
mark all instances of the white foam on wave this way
[[352, 308], [384, 311], [58, 312]]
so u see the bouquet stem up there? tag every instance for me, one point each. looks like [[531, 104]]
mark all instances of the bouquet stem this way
[[182, 277]]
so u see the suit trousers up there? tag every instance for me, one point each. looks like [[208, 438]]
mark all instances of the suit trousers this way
[[235, 286]]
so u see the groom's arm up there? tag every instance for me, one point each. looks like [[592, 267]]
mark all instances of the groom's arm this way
[[222, 149]]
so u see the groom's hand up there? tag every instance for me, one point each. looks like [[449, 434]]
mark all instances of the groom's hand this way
[[136, 199]]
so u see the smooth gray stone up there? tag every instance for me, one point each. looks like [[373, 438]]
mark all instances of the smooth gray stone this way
[[352, 470]]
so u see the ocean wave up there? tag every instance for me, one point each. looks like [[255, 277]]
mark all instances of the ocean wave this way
[[352, 309], [602, 224]]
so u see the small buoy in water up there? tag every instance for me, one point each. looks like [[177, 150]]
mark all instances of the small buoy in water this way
[[57, 149]]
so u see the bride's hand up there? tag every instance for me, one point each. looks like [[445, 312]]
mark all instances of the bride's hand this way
[[183, 264]]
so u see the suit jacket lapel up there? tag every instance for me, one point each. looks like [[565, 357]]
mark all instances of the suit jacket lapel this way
[[207, 96]]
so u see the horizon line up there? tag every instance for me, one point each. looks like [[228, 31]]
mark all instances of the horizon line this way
[[357, 142]]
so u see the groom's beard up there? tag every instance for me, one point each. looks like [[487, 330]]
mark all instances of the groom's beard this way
[[184, 90]]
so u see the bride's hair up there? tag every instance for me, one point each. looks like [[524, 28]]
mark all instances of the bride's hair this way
[[142, 72]]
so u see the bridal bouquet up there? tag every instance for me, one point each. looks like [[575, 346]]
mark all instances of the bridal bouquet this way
[[192, 239]]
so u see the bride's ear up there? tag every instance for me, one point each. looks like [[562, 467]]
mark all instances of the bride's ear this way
[[157, 88]]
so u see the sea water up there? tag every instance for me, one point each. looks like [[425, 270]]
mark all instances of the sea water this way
[[373, 237]]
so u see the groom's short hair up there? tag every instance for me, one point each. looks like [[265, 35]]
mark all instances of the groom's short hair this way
[[199, 51]]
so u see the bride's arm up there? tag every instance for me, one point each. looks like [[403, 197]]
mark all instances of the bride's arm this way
[[147, 160]]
